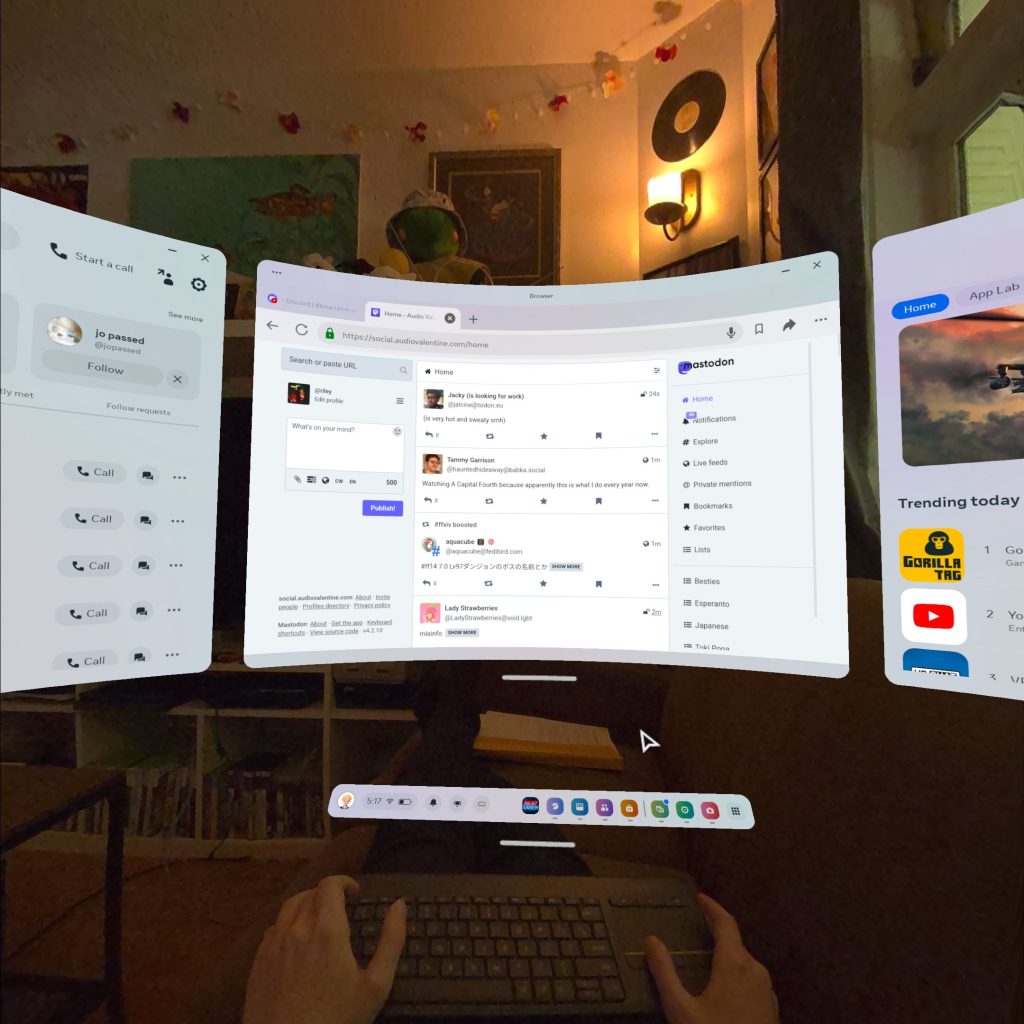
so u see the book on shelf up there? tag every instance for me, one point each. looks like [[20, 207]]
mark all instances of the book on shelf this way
[[507, 737], [161, 797], [264, 795]]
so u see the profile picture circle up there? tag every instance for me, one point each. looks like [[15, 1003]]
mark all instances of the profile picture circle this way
[[433, 463], [346, 800], [428, 544], [62, 330]]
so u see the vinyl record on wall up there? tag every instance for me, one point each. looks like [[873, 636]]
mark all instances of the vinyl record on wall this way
[[688, 116]]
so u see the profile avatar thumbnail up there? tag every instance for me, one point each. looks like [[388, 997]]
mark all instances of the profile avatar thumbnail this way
[[62, 330], [298, 394], [433, 398], [430, 613], [433, 463]]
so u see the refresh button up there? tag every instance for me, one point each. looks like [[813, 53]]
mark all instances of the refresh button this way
[[302, 330]]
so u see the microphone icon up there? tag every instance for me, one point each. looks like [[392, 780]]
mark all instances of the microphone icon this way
[[731, 332]]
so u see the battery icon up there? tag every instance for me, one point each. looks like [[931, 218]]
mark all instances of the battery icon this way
[[404, 801]]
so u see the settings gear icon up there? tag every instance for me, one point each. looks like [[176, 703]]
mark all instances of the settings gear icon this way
[[198, 284]]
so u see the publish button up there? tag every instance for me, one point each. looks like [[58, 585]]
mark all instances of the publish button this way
[[924, 306], [382, 508]]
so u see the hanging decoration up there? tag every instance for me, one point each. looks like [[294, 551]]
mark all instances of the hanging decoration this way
[[180, 112], [289, 122], [556, 103], [65, 143], [491, 121], [663, 54], [417, 132], [612, 83], [667, 11], [230, 98]]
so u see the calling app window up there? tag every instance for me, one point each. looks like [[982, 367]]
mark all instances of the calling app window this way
[[112, 344], [646, 472], [949, 329]]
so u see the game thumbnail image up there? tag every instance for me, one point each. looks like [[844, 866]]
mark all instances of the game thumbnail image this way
[[962, 388]]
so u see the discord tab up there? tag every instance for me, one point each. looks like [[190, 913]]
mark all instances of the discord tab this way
[[111, 377], [638, 472], [950, 382]]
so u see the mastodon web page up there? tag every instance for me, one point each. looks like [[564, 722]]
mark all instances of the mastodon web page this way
[[637, 472]]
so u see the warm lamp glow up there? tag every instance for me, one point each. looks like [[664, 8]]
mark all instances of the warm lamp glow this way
[[666, 188]]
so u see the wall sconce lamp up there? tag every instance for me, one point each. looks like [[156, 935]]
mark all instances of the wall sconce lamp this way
[[673, 202]]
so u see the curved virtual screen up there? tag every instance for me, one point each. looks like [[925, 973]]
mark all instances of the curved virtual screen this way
[[641, 472]]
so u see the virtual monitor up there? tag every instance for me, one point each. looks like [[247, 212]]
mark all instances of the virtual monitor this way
[[641, 472], [112, 343], [949, 330]]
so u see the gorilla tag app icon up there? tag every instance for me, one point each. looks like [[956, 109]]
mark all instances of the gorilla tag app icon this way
[[932, 556]]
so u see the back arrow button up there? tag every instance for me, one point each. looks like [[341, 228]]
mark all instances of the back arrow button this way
[[271, 324]]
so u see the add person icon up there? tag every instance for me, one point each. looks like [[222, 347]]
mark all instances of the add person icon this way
[[939, 544]]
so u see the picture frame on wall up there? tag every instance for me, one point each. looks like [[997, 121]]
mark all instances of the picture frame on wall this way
[[65, 185], [510, 201], [768, 97], [723, 256], [771, 229]]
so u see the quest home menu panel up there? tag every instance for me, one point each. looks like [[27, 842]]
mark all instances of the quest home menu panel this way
[[112, 345], [648, 472], [949, 335]]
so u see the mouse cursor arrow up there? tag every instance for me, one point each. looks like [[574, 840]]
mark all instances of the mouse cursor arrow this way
[[647, 742]]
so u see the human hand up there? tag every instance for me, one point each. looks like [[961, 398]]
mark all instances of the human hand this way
[[740, 989], [305, 972]]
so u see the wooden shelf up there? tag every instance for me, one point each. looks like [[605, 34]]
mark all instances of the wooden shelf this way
[[198, 708], [181, 848]]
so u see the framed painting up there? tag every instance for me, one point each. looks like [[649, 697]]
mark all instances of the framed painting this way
[[66, 186], [768, 97], [723, 256], [510, 200], [771, 231], [290, 208]]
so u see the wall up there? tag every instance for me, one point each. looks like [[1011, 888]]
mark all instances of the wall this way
[[714, 41], [121, 82]]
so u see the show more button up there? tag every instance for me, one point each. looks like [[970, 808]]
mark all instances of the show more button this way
[[383, 508]]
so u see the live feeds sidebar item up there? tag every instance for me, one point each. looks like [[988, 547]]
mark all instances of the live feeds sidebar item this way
[[112, 348], [949, 330]]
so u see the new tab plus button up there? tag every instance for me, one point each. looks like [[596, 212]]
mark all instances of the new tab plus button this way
[[382, 508]]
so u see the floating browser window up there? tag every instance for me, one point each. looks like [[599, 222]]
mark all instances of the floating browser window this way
[[949, 336], [112, 345], [647, 472]]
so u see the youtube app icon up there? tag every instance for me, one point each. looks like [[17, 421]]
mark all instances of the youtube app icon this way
[[934, 617]]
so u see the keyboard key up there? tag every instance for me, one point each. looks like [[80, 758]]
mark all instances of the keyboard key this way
[[519, 968], [406, 967], [435, 929], [360, 913], [581, 930], [498, 929], [597, 948], [426, 912], [428, 967], [530, 914], [542, 990], [549, 913], [540, 930], [591, 914], [600, 930], [488, 913], [462, 947], [561, 930], [612, 990], [592, 967], [413, 928], [447, 912], [483, 947], [519, 930], [416, 947], [477, 929], [588, 995], [496, 968], [526, 947], [468, 912], [508, 913], [451, 967], [540, 968], [564, 991], [414, 992], [371, 929], [548, 948], [455, 929], [564, 968], [473, 967], [522, 991], [442, 947], [505, 948], [569, 913], [570, 947]]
